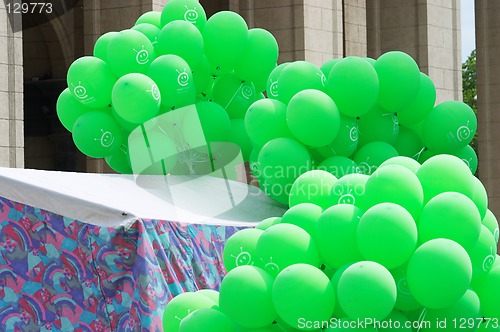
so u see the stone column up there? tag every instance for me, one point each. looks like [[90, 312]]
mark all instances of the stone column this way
[[354, 17], [11, 90]]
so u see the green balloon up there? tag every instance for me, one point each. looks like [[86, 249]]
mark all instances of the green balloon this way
[[175, 81], [443, 173], [372, 155], [408, 142], [187, 10], [272, 82], [299, 284], [101, 45], [313, 118], [226, 38], [361, 285], [183, 39], [258, 59], [326, 68], [69, 109], [378, 125], [405, 300], [234, 95], [238, 135], [119, 161], [396, 321], [480, 197], [298, 76], [127, 127], [421, 106], [281, 162], [266, 120], [452, 216], [283, 245], [214, 121], [353, 85], [449, 127], [90, 81], [210, 294], [130, 52], [387, 234], [181, 306], [469, 156], [206, 320], [482, 254], [97, 135], [347, 138], [240, 248], [339, 166], [149, 30], [338, 312], [266, 223], [489, 292], [201, 75], [439, 273], [304, 215], [336, 235], [136, 98], [399, 78], [490, 221], [151, 17], [394, 184], [349, 189], [245, 296], [409, 163]]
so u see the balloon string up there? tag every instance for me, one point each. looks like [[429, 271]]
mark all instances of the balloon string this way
[[421, 318], [234, 95], [417, 155]]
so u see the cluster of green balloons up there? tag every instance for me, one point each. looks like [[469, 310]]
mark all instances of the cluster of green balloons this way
[[349, 116], [167, 60], [410, 240]]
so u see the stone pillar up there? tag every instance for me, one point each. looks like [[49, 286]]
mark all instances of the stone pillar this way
[[11, 90], [355, 42], [428, 30], [488, 98]]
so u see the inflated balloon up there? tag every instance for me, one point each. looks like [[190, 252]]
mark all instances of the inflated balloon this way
[[213, 119], [226, 38], [313, 118], [298, 76], [327, 66], [339, 166], [181, 306], [408, 142], [283, 245], [245, 296], [405, 300], [209, 293], [349, 189], [394, 184], [452, 216], [149, 30], [272, 81], [378, 125], [399, 79], [482, 254], [206, 320], [151, 17], [361, 285], [187, 10], [240, 248], [281, 162], [439, 273], [423, 103], [407, 162], [101, 45], [443, 173], [489, 292], [449, 127], [372, 155], [338, 311], [469, 156], [174, 79], [313, 187], [258, 59], [396, 321], [90, 81], [304, 215], [69, 109], [387, 234], [347, 139], [136, 98], [234, 95], [201, 75], [119, 161], [353, 85], [266, 120], [97, 134], [130, 52], [266, 223], [480, 197], [127, 126], [299, 284], [183, 39], [490, 221], [336, 235], [238, 135]]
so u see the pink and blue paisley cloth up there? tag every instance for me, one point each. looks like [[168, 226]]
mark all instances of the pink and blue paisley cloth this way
[[60, 274]]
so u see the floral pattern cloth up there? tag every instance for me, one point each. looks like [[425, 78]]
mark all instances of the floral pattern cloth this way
[[61, 274]]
